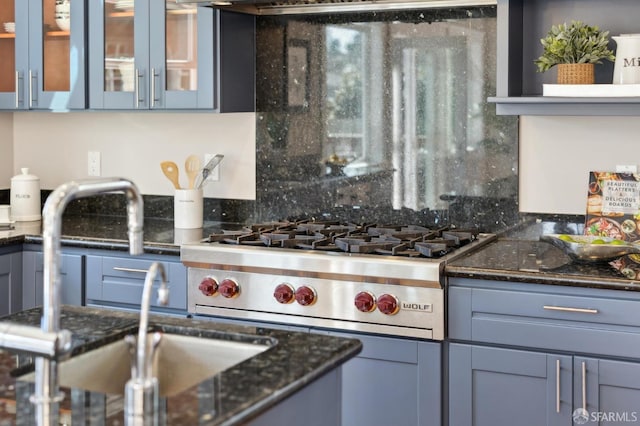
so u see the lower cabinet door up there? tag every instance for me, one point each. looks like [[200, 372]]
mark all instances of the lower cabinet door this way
[[71, 291], [10, 283], [505, 387], [606, 391], [392, 381]]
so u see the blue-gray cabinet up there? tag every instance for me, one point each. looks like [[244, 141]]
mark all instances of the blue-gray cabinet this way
[[71, 278], [10, 282], [541, 354], [43, 64], [159, 54], [117, 280], [392, 382]]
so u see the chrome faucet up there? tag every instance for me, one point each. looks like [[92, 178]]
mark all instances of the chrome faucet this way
[[50, 344], [141, 391]]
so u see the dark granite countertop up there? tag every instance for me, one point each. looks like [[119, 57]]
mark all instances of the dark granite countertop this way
[[110, 233], [239, 392], [526, 260]]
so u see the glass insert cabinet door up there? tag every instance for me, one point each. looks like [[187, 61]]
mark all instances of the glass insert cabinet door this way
[[42, 54], [150, 54]]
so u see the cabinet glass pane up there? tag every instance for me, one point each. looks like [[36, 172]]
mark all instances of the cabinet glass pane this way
[[55, 44], [181, 46], [118, 46], [7, 46]]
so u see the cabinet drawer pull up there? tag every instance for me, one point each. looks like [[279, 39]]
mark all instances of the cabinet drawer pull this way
[[154, 76], [567, 309], [118, 268], [18, 78], [557, 386], [584, 386]]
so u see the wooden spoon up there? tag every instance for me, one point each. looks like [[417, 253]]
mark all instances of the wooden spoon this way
[[170, 170], [192, 167]]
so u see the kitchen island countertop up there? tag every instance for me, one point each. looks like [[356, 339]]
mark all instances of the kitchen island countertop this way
[[293, 360]]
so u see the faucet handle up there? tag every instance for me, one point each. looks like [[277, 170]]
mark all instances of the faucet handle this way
[[131, 340], [163, 295]]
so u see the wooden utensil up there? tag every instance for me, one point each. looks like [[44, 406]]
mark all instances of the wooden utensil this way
[[192, 167], [170, 170]]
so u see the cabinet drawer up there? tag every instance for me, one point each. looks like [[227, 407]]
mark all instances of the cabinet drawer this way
[[544, 319], [120, 280]]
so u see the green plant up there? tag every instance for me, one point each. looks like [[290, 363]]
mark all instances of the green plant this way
[[577, 43]]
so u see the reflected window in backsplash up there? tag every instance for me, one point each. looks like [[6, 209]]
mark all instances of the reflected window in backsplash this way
[[383, 116]]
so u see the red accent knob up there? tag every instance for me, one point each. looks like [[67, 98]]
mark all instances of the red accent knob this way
[[305, 295], [229, 288], [208, 286], [365, 301], [284, 293], [388, 304]]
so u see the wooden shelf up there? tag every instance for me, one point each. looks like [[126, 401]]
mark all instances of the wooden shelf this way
[[7, 35]]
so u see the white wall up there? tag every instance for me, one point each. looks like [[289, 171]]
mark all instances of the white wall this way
[[54, 147], [557, 154], [6, 149]]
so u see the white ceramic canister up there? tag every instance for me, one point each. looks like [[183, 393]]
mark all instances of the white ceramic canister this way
[[25, 197], [626, 69]]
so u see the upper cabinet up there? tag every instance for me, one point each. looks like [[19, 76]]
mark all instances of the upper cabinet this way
[[521, 25], [158, 54], [42, 54]]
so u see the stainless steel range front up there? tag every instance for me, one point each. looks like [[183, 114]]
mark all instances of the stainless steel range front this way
[[366, 278]]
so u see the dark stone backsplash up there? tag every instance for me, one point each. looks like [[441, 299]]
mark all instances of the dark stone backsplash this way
[[312, 164]]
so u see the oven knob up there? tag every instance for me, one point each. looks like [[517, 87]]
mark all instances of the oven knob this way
[[284, 293], [208, 286], [365, 301], [388, 304], [229, 288], [305, 295]]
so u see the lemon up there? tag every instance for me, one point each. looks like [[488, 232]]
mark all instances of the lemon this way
[[617, 242], [566, 238], [598, 241]]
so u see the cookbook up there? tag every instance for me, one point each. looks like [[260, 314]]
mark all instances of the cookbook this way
[[613, 210]]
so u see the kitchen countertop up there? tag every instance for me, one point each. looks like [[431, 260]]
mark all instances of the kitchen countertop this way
[[516, 256], [110, 233], [530, 261], [240, 392]]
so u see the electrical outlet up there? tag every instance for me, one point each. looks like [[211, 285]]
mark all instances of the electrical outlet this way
[[93, 166], [215, 173]]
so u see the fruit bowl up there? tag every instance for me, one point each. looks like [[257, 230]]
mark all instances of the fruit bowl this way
[[591, 248]]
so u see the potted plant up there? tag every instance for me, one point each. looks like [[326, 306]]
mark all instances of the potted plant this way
[[575, 48]]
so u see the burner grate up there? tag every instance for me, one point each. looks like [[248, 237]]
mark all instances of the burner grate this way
[[381, 239]]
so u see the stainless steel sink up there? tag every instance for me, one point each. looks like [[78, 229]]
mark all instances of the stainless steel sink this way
[[181, 362]]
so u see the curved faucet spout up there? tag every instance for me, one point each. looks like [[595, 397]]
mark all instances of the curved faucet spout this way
[[142, 390], [46, 393], [52, 231], [144, 357]]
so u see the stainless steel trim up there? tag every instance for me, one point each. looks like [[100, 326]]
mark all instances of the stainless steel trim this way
[[297, 7], [119, 268], [568, 309], [327, 323], [557, 386], [584, 385]]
